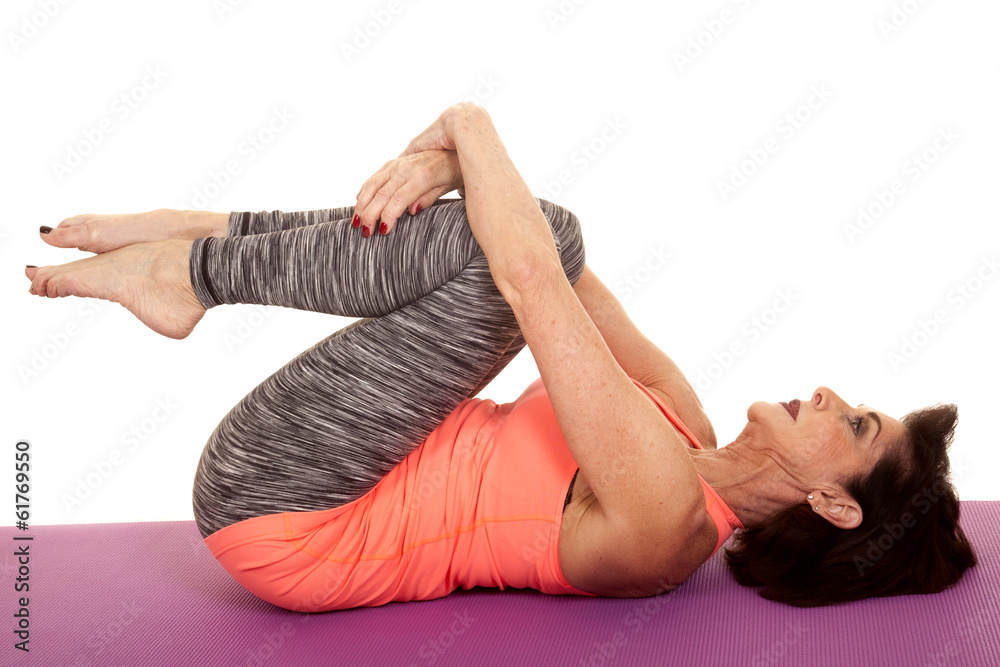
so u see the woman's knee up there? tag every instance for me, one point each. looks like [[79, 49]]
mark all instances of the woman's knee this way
[[564, 224]]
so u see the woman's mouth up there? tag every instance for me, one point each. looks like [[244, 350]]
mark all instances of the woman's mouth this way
[[793, 408]]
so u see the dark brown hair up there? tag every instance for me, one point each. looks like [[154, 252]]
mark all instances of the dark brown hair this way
[[909, 540]]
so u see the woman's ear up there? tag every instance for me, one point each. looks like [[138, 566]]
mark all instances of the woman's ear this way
[[839, 508]]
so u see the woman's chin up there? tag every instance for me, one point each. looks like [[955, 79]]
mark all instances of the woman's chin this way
[[758, 411]]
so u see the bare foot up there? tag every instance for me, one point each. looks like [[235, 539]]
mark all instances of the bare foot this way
[[102, 233], [152, 280]]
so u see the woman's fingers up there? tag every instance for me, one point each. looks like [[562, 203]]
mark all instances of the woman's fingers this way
[[384, 169], [412, 183], [364, 208], [398, 186], [387, 206], [384, 197]]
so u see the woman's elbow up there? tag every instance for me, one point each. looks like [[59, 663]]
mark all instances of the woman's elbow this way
[[527, 277]]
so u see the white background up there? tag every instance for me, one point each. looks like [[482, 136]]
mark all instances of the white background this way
[[81, 373]]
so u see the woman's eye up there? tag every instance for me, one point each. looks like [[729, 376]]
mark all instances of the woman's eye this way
[[856, 423]]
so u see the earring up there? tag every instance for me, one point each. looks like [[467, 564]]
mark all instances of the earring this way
[[816, 508], [810, 496]]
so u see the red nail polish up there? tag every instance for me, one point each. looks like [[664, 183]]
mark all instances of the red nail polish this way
[[418, 209], [383, 229], [357, 221], [367, 231]]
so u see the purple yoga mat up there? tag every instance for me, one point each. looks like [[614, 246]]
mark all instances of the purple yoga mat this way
[[151, 594]]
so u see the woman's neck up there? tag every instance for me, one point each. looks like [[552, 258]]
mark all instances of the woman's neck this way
[[751, 483]]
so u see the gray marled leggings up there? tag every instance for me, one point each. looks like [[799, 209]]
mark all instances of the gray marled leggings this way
[[325, 428]]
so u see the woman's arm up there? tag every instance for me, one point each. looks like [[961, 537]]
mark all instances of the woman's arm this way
[[640, 358], [649, 499], [503, 214]]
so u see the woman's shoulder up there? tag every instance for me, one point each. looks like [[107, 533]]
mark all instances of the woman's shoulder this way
[[595, 558]]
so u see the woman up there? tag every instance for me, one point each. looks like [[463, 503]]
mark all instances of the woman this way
[[364, 471]]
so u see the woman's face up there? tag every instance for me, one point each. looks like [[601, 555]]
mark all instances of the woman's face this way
[[821, 440]]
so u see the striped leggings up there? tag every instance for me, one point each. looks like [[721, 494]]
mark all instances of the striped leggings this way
[[325, 428]]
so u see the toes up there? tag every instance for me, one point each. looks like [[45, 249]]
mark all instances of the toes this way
[[74, 220], [46, 282], [32, 273], [77, 235], [38, 281]]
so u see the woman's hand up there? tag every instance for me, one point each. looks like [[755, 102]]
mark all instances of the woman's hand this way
[[439, 134], [410, 182], [427, 169]]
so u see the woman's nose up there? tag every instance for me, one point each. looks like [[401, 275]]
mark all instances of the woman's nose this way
[[823, 397]]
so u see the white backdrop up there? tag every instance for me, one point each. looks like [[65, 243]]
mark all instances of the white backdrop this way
[[814, 184]]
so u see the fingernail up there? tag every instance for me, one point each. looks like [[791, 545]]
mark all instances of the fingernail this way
[[367, 231], [44, 230], [418, 209], [383, 229], [30, 266], [357, 221]]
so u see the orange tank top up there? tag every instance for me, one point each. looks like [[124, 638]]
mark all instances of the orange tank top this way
[[478, 503]]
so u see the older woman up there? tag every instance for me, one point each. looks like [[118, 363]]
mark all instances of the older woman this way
[[365, 471]]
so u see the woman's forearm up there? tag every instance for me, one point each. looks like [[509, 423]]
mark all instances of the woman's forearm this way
[[503, 214]]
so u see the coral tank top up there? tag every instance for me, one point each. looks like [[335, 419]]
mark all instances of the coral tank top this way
[[478, 503]]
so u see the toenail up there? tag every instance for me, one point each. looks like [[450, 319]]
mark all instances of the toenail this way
[[44, 230]]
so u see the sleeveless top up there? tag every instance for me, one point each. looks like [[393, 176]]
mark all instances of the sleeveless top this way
[[478, 503]]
